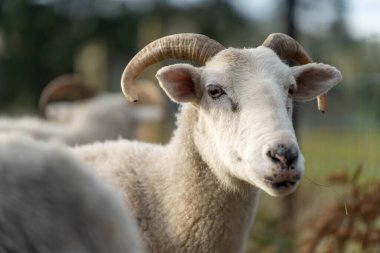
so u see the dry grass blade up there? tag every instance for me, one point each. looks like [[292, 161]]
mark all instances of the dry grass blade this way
[[333, 231]]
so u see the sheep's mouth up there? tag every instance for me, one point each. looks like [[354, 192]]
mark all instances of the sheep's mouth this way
[[283, 180], [281, 187], [282, 184]]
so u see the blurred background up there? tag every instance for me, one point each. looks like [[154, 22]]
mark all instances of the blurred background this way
[[42, 39]]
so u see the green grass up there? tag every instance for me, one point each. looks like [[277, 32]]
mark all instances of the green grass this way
[[327, 151]]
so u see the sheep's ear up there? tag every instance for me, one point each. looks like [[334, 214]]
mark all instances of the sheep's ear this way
[[314, 79], [181, 82]]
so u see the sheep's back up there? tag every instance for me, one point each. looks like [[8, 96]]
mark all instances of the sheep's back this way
[[50, 202]]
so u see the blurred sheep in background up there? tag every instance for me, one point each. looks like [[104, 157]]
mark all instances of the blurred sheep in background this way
[[73, 113]]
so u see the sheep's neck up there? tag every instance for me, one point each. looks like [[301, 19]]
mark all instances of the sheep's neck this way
[[210, 217]]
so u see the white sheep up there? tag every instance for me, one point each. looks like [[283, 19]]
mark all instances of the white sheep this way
[[51, 202], [234, 137], [96, 118]]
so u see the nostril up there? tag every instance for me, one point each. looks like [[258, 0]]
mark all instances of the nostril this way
[[291, 157], [274, 156], [284, 155]]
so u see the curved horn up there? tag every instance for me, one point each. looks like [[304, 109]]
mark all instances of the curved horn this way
[[288, 48], [185, 46], [65, 87]]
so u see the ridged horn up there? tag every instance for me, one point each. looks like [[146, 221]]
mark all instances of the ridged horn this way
[[288, 48], [185, 46], [66, 87]]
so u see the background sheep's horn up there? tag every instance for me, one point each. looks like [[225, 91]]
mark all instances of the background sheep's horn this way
[[289, 49], [186, 46], [63, 88]]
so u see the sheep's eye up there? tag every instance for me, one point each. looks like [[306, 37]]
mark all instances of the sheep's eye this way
[[291, 91], [215, 91]]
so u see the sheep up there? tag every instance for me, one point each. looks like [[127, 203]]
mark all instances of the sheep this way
[[51, 202], [234, 138], [96, 118]]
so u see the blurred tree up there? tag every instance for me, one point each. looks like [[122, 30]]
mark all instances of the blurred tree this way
[[40, 43]]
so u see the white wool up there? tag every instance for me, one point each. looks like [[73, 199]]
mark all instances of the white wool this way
[[51, 202]]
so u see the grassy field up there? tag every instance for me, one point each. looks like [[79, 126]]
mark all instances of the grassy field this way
[[327, 151]]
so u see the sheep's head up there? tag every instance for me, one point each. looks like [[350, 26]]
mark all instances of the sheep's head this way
[[244, 99], [66, 87]]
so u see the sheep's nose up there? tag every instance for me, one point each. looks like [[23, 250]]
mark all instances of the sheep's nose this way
[[283, 154]]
